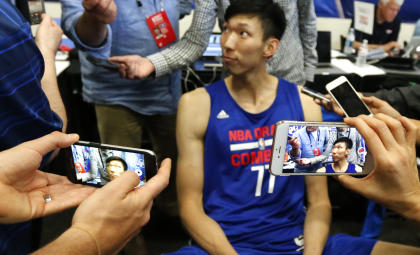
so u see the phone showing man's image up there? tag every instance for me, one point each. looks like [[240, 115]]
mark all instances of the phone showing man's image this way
[[318, 148], [31, 10], [97, 164], [347, 97]]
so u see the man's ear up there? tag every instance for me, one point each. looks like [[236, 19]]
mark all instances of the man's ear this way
[[272, 45]]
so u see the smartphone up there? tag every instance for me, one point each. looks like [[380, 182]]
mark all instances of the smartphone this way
[[314, 94], [105, 63], [97, 164], [324, 144], [347, 97], [31, 10]]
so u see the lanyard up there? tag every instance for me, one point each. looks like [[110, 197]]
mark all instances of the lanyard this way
[[140, 4], [310, 136]]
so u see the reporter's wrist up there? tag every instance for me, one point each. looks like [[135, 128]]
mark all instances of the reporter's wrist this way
[[94, 244], [412, 205]]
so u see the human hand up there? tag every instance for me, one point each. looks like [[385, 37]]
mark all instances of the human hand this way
[[303, 161], [394, 180], [103, 11], [295, 143], [377, 105], [115, 213], [48, 35], [23, 187], [133, 66], [393, 45], [331, 105]]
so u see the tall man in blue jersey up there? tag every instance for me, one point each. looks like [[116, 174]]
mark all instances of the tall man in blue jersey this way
[[229, 202]]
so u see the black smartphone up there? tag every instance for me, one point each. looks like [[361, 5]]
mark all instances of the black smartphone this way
[[97, 164], [347, 98], [31, 10], [105, 63], [314, 94]]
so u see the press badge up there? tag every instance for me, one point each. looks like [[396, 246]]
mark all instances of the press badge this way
[[317, 152], [161, 29]]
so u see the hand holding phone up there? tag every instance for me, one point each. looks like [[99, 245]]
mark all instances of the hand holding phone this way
[[347, 98], [314, 94]]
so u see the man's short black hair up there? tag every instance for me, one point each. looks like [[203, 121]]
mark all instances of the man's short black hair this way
[[109, 159], [348, 141], [270, 14]]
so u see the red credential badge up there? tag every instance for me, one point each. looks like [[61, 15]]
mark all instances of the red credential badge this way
[[161, 29], [317, 152]]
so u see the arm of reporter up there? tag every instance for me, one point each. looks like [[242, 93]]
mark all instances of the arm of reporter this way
[[318, 216], [22, 186], [394, 181], [48, 39], [111, 216]]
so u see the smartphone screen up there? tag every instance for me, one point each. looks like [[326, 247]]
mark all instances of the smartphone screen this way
[[302, 148], [349, 101], [98, 165]]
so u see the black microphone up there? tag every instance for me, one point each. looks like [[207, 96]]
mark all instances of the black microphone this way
[[139, 3]]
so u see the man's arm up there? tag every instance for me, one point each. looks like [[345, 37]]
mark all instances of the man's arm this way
[[387, 46], [192, 119], [181, 54], [308, 36], [48, 39], [311, 110], [318, 216]]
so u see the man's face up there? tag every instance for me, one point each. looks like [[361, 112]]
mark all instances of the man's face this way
[[311, 128], [114, 168], [339, 152], [389, 11], [242, 44]]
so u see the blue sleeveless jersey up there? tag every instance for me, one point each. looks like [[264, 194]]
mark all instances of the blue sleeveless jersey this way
[[350, 169], [253, 207]]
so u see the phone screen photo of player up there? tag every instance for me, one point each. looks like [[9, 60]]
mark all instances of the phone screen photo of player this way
[[311, 148], [98, 166]]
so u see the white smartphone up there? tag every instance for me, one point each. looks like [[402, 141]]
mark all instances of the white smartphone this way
[[347, 97], [318, 148]]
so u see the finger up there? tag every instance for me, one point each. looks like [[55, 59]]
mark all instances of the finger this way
[[411, 130], [158, 183], [118, 59], [395, 126], [50, 142], [372, 139], [382, 130], [89, 4], [123, 184]]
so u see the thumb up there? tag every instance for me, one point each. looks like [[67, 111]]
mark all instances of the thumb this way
[[118, 59], [123, 184]]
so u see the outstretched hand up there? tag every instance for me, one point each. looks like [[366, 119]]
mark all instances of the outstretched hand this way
[[133, 66], [394, 181], [23, 188], [116, 212]]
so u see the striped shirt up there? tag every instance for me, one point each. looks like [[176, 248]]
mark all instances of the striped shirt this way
[[25, 113], [295, 60]]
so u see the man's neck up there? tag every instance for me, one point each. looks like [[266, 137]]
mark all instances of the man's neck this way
[[253, 92], [379, 17], [340, 166]]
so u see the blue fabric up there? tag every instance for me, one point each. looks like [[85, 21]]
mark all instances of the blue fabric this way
[[25, 112], [348, 245], [350, 169], [373, 221], [127, 35], [252, 206]]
